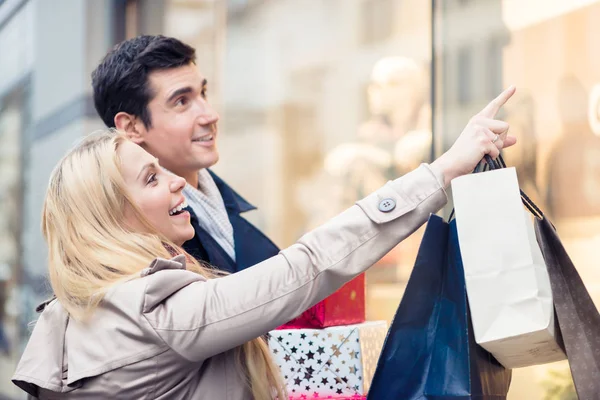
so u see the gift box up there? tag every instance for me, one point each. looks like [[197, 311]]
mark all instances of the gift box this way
[[309, 397], [337, 361], [344, 307]]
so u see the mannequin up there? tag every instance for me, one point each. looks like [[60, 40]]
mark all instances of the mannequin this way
[[524, 157], [573, 184], [400, 117], [394, 140], [573, 180]]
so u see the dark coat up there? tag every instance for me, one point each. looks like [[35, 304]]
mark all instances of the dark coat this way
[[251, 245]]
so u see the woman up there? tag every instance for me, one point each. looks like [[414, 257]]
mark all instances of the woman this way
[[131, 320]]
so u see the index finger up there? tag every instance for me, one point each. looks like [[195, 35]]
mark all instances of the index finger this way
[[494, 106]]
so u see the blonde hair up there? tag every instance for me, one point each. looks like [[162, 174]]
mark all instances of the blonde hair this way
[[90, 249]]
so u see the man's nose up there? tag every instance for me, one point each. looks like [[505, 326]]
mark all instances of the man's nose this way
[[208, 115]]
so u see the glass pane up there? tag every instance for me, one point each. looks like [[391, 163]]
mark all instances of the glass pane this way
[[549, 52], [13, 301], [321, 102]]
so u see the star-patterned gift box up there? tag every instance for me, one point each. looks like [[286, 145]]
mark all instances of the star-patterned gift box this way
[[312, 397], [338, 362]]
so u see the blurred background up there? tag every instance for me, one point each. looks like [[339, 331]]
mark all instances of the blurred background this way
[[321, 101]]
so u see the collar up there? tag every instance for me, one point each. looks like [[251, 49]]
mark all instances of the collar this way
[[233, 201], [177, 262]]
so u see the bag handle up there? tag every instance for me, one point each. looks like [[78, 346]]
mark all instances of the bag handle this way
[[499, 163]]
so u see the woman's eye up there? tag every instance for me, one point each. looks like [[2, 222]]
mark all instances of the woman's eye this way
[[151, 179]]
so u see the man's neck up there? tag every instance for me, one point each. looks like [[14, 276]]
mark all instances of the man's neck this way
[[402, 123], [191, 178]]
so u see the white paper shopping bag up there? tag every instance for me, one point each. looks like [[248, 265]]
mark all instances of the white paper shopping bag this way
[[507, 281]]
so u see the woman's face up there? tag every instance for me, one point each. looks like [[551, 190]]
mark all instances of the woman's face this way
[[156, 192]]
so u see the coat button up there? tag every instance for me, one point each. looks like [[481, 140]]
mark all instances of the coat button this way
[[387, 205]]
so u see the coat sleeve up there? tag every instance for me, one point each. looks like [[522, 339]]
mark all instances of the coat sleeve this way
[[204, 318]]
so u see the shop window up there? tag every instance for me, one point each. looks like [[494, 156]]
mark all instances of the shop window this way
[[554, 115], [465, 75], [377, 20], [493, 76], [14, 304]]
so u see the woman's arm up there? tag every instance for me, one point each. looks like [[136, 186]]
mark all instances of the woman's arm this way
[[205, 318], [202, 318]]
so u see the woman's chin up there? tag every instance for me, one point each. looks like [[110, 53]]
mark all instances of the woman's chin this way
[[181, 233], [181, 238], [187, 236]]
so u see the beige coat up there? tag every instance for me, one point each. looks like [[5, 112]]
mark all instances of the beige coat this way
[[170, 334]]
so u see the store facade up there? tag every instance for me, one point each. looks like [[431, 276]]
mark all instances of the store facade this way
[[321, 101]]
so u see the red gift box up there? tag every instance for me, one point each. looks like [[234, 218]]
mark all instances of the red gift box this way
[[315, 396], [344, 307]]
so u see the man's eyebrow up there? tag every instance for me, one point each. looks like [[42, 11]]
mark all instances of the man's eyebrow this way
[[186, 90], [179, 92]]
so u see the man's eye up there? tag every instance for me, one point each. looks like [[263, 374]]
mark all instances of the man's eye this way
[[182, 101], [204, 92]]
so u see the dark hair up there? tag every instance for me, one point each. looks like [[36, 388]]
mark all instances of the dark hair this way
[[120, 82]]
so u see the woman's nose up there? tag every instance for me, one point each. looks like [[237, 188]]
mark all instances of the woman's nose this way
[[177, 184]]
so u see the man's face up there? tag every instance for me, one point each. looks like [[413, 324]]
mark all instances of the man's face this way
[[183, 132]]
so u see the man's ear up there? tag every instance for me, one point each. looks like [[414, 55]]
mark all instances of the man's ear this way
[[132, 126]]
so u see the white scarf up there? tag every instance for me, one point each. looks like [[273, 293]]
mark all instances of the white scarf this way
[[208, 205]]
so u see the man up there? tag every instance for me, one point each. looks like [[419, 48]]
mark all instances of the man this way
[[150, 88]]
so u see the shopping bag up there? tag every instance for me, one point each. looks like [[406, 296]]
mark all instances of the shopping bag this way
[[576, 314], [578, 317], [430, 352], [506, 276]]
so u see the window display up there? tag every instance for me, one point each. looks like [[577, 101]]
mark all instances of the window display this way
[[548, 54], [12, 291]]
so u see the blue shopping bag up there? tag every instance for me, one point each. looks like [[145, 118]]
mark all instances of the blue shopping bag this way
[[430, 351]]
